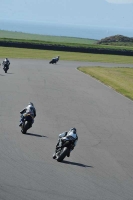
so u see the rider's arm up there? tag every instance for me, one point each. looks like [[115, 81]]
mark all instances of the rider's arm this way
[[34, 113], [75, 143], [62, 134], [22, 111]]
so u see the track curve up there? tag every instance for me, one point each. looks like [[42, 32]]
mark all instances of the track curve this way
[[100, 167]]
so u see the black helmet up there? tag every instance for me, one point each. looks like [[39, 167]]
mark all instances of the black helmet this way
[[73, 130]]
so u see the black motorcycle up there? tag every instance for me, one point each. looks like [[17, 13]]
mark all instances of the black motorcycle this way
[[27, 123], [64, 150], [54, 60], [5, 67]]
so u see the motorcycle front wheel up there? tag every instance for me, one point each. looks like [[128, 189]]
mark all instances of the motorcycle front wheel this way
[[63, 154], [25, 127]]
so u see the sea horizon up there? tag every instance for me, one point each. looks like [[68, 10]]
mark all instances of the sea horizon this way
[[77, 31]]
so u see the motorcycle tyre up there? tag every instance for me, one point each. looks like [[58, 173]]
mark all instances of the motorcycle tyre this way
[[5, 70], [62, 155], [25, 128]]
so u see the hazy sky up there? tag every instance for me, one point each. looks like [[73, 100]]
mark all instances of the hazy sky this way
[[102, 13]]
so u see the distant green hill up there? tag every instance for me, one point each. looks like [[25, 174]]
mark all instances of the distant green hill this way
[[118, 40], [46, 38], [114, 45]]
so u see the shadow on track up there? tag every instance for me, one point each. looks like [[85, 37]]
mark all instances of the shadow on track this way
[[2, 75], [31, 134], [75, 163], [10, 73]]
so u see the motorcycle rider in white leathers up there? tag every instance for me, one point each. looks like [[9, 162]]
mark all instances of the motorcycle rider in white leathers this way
[[63, 136], [56, 58], [30, 109]]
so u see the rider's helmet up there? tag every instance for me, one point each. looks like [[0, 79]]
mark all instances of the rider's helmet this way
[[31, 104], [73, 130]]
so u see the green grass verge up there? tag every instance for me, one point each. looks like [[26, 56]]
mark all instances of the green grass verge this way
[[44, 54], [120, 79]]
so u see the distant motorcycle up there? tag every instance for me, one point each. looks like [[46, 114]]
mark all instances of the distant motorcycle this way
[[6, 64], [65, 148], [54, 60], [27, 123], [5, 67]]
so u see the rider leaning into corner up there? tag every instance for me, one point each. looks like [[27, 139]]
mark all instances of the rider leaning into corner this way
[[57, 58], [30, 109], [72, 132]]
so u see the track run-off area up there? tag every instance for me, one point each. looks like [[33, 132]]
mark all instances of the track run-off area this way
[[101, 165]]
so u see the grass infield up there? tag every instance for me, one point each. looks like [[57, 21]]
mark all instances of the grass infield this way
[[120, 79], [11, 52]]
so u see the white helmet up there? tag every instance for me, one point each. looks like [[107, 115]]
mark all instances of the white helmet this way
[[73, 130], [31, 104]]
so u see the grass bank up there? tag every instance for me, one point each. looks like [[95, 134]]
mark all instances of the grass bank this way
[[11, 52], [120, 79], [9, 35], [59, 43]]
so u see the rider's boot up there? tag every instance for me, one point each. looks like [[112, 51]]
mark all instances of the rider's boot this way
[[54, 155], [68, 154]]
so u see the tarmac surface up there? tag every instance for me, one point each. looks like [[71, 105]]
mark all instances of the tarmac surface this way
[[101, 165]]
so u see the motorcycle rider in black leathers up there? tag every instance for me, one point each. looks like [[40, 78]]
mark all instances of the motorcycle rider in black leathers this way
[[30, 109], [56, 59], [6, 62], [73, 133]]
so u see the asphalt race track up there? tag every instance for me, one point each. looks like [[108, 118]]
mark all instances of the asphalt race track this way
[[101, 165]]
